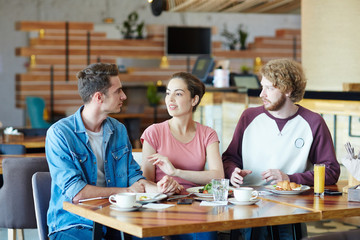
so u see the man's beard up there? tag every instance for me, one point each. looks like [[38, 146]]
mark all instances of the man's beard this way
[[278, 104]]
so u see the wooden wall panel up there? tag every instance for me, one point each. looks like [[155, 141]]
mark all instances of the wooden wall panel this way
[[49, 49]]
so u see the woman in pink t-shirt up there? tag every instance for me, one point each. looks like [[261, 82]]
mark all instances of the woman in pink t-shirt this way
[[180, 147]]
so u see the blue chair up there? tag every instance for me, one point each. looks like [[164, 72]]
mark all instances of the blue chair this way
[[14, 149], [41, 183], [35, 110]]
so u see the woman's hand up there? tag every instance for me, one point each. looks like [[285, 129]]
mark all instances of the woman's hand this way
[[163, 163], [169, 185]]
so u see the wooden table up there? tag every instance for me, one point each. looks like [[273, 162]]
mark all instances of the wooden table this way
[[19, 155], [190, 218], [331, 207], [31, 142], [271, 210]]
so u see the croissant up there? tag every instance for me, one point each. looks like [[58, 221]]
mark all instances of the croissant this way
[[287, 185], [294, 185]]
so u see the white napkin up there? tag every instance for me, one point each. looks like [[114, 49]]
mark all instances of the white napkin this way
[[11, 131], [157, 205], [353, 166], [213, 203]]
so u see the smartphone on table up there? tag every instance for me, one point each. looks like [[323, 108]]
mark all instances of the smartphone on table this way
[[332, 192], [185, 201]]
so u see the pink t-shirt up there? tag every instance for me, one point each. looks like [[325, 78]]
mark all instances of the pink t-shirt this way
[[186, 156]]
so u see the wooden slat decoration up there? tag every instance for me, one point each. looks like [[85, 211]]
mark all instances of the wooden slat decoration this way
[[68, 96], [351, 87], [293, 6], [287, 32], [28, 51], [268, 6], [55, 34], [37, 25], [103, 42], [50, 50], [73, 60], [278, 40], [134, 77], [245, 6], [256, 53]]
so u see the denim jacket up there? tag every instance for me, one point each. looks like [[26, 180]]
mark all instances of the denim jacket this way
[[73, 165]]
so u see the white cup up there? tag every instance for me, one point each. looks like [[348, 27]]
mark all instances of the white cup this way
[[123, 200], [245, 194]]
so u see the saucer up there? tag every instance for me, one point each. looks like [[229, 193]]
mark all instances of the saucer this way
[[250, 202], [134, 208]]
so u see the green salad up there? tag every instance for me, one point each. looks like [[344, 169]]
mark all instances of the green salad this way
[[206, 189]]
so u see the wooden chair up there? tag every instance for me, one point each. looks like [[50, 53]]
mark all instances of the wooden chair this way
[[16, 195]]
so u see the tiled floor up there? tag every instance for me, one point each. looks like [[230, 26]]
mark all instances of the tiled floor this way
[[321, 227], [313, 228], [29, 234]]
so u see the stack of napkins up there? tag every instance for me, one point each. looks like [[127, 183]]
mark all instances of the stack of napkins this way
[[213, 203], [11, 131], [157, 205]]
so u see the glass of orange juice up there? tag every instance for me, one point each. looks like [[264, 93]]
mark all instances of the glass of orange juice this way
[[319, 179]]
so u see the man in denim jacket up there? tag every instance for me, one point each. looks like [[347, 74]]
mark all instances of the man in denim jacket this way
[[90, 155]]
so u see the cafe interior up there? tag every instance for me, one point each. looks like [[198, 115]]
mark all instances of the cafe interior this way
[[45, 43]]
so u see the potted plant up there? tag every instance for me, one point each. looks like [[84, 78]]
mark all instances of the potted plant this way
[[230, 38], [139, 30], [153, 98], [130, 26], [242, 37], [245, 69]]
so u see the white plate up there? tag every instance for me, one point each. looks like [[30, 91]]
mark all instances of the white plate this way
[[271, 188], [149, 197], [195, 190], [250, 202], [134, 208]]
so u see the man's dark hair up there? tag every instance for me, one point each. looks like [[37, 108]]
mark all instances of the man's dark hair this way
[[95, 78]]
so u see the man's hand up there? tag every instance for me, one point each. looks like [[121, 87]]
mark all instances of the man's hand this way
[[169, 185], [137, 187], [237, 177], [274, 175], [163, 163]]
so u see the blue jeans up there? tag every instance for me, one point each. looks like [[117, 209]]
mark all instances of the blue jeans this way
[[188, 236], [75, 233], [262, 233], [83, 233]]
